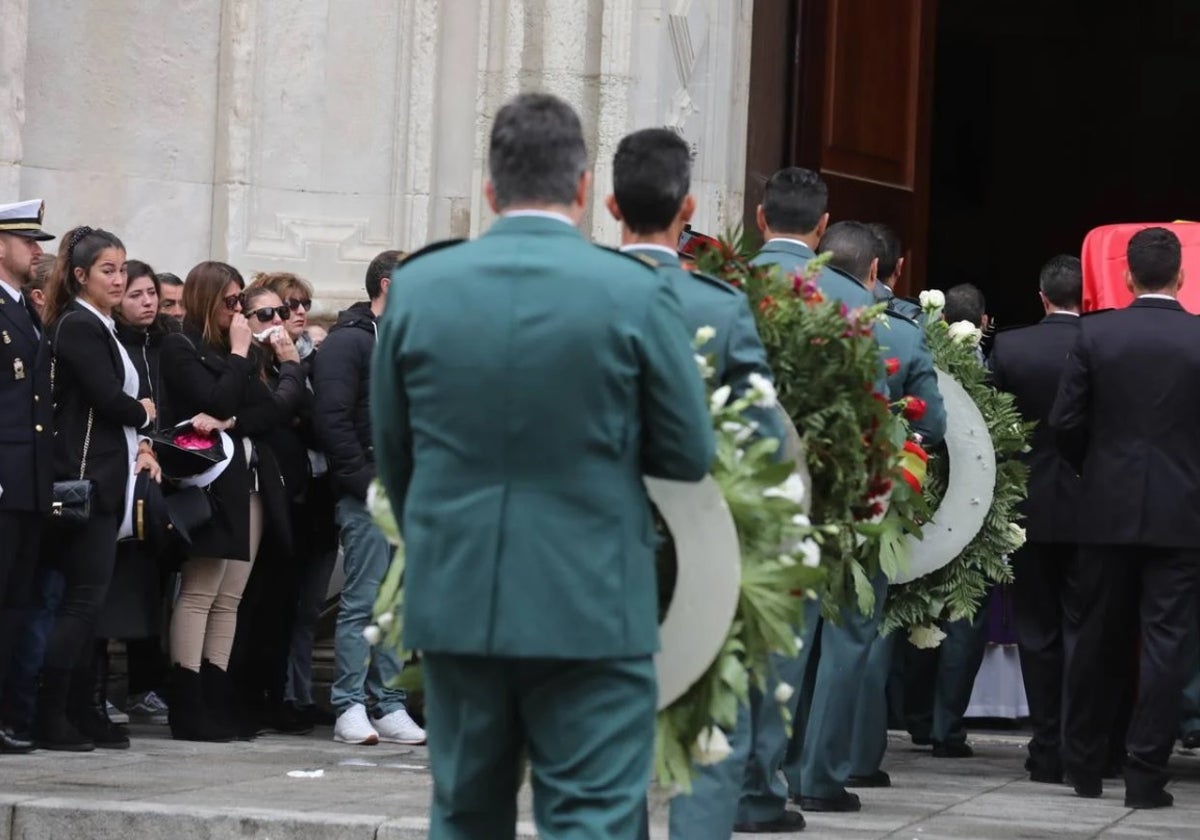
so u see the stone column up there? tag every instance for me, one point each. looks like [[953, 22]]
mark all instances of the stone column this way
[[14, 32]]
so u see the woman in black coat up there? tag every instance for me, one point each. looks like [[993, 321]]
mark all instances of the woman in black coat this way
[[97, 415], [215, 379]]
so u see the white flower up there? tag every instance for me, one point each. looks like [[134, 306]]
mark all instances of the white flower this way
[[373, 634], [741, 432], [799, 643], [811, 552], [385, 621], [801, 521], [706, 370], [711, 747], [704, 335], [932, 300], [719, 397], [763, 390], [793, 490], [784, 692], [1018, 534], [787, 560], [926, 637], [965, 331]]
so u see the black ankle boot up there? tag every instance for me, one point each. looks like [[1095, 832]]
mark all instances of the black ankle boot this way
[[236, 714], [187, 714], [54, 730], [88, 709]]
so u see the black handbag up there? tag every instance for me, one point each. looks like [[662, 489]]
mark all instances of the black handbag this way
[[188, 509], [71, 499]]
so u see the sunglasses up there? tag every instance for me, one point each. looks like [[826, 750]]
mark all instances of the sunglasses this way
[[268, 312], [295, 303], [233, 301]]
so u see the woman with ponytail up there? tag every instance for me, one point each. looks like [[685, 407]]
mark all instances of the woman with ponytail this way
[[97, 416]]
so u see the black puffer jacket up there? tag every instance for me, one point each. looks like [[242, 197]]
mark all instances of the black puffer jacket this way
[[341, 383]]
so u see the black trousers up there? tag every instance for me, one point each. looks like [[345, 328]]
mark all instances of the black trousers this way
[[20, 536], [1110, 593], [86, 557], [1039, 575]]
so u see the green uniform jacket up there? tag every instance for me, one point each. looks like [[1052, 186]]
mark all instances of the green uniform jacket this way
[[903, 340], [522, 385], [793, 256], [736, 351]]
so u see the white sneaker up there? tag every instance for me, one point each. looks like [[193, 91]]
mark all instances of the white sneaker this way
[[353, 727], [115, 714], [399, 728]]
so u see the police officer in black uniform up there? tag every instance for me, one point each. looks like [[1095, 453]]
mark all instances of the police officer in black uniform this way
[[25, 432]]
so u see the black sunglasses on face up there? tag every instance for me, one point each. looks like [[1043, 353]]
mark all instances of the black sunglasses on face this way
[[268, 312], [231, 302], [296, 303]]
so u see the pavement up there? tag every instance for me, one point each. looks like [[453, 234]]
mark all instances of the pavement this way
[[304, 788]]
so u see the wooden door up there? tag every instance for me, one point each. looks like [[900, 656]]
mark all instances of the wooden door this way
[[870, 138]]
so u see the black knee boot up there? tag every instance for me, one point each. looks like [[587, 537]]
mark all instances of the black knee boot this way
[[88, 701], [223, 705], [54, 729], [187, 712]]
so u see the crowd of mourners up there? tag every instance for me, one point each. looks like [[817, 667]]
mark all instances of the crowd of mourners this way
[[177, 461]]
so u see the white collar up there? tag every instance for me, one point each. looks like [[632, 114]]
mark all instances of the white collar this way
[[1156, 296], [648, 246], [539, 214], [792, 241], [13, 292], [105, 319], [1063, 312]]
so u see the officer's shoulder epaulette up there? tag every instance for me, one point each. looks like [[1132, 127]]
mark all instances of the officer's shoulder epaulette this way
[[431, 248], [713, 281], [900, 316], [641, 259]]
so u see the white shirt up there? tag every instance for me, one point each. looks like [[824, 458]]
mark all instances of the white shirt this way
[[792, 241], [646, 246], [1156, 296], [130, 386], [539, 214], [13, 292], [1065, 312]]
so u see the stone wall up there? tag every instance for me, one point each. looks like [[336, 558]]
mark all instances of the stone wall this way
[[308, 135]]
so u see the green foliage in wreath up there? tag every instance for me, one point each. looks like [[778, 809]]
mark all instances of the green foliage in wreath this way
[[958, 589]]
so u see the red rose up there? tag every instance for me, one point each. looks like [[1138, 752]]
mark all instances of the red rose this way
[[914, 408], [914, 449], [766, 304], [892, 365]]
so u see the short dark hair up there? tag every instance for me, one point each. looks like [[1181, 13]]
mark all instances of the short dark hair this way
[[652, 174], [794, 200], [965, 302], [1154, 256], [166, 278], [853, 246], [537, 153], [890, 248], [136, 268], [1061, 281], [381, 269]]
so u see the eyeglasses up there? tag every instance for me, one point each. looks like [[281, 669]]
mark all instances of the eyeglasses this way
[[268, 312], [234, 301], [295, 303]]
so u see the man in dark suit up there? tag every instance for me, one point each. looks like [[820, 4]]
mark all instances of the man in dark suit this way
[[25, 433], [1126, 417], [1028, 363]]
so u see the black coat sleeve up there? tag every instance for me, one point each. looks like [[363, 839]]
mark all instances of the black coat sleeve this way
[[197, 388], [82, 345], [337, 382], [261, 416]]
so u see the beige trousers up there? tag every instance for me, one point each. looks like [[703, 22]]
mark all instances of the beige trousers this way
[[210, 590]]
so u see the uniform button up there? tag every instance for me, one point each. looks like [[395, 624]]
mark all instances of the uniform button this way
[[36, 398], [38, 427]]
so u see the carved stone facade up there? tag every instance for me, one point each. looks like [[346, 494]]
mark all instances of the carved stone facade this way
[[309, 135]]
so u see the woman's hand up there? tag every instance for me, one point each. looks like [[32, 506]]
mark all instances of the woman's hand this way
[[240, 335], [146, 462], [151, 411], [206, 424], [284, 347]]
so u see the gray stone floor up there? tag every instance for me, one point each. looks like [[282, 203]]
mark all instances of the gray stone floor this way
[[166, 789]]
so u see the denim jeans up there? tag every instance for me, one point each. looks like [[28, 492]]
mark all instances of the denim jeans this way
[[20, 691], [360, 669], [312, 599]]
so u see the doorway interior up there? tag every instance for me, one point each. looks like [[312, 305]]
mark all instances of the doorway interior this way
[[1050, 118]]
